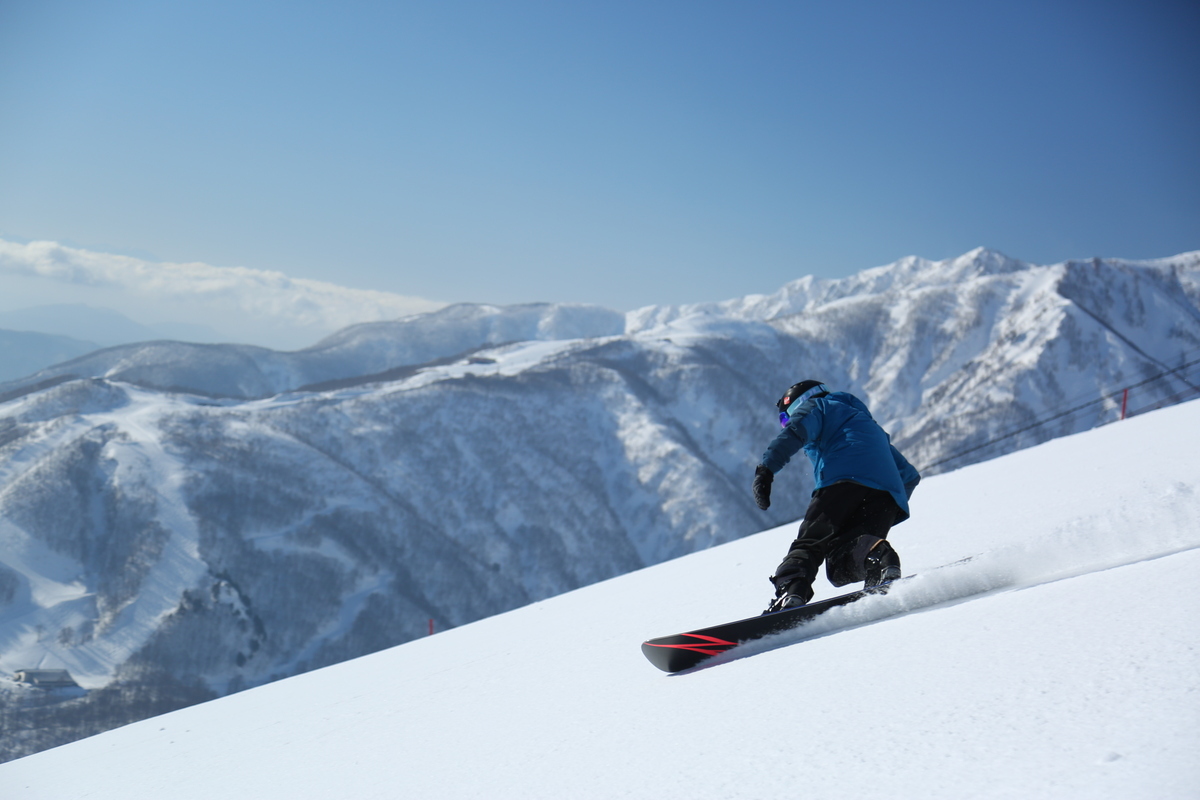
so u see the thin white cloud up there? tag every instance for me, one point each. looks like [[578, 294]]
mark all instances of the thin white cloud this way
[[266, 295]]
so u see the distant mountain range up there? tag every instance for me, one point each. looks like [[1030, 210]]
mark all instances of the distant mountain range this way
[[32, 339], [101, 325], [218, 516], [23, 352], [370, 351]]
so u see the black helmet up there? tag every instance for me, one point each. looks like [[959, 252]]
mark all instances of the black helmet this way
[[798, 389]]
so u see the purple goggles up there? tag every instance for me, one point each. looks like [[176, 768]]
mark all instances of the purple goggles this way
[[820, 389]]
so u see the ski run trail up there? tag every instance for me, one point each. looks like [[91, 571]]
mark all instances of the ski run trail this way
[[1061, 660]]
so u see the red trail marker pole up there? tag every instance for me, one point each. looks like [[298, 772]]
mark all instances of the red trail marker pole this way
[[1124, 402]]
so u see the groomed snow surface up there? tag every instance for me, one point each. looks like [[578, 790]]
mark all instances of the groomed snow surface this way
[[1063, 660]]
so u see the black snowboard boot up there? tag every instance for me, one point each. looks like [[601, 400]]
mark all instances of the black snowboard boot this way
[[797, 594], [882, 565]]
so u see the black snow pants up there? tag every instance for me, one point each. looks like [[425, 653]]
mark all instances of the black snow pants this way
[[843, 522]]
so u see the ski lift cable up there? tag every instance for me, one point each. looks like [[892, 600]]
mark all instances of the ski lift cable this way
[[1061, 414]]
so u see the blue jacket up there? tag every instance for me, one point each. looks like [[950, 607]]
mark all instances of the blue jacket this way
[[845, 443]]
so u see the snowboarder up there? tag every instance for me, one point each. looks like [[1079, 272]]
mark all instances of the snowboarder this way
[[863, 484]]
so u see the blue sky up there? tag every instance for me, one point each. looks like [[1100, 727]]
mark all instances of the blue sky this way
[[621, 153]]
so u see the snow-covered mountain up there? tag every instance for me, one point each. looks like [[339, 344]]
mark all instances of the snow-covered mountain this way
[[1057, 663], [375, 350], [192, 518]]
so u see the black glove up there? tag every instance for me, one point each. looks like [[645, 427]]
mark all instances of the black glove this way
[[762, 486]]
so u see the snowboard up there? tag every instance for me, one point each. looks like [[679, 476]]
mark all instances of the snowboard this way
[[685, 650]]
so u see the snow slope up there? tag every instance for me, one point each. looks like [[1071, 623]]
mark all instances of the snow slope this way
[[1062, 661]]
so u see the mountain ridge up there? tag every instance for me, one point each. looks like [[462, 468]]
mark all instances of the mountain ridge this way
[[374, 348]]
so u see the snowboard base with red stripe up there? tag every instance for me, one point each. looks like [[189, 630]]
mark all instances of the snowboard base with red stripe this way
[[685, 650]]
